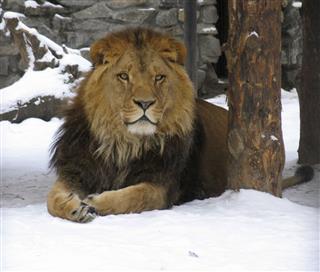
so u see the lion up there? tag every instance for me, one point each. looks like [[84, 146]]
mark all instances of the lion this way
[[135, 138]]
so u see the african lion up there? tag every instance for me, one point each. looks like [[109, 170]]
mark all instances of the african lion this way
[[134, 138]]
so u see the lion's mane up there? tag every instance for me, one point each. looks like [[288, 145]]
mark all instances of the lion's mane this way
[[94, 149]]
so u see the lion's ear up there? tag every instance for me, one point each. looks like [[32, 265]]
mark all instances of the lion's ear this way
[[98, 51], [105, 51], [175, 52], [181, 52]]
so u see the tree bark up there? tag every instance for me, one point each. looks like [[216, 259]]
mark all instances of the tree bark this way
[[309, 91], [255, 141]]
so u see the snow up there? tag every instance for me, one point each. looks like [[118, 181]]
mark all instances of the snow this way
[[60, 16], [48, 4], [237, 231], [2, 24], [209, 30], [146, 9], [254, 33], [245, 231], [297, 4], [75, 59], [34, 4], [11, 14], [31, 4]]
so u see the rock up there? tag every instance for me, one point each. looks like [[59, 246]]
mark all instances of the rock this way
[[78, 40], [119, 4], [201, 77], [14, 5], [136, 16], [99, 10], [206, 29], [211, 86], [4, 66], [34, 22], [44, 108], [207, 2], [167, 17], [43, 10], [291, 46], [210, 49], [181, 15], [168, 4], [8, 80], [61, 23], [13, 63], [209, 14], [85, 53], [211, 76], [90, 25], [176, 30], [76, 3], [41, 24], [85, 39], [41, 65], [8, 49]]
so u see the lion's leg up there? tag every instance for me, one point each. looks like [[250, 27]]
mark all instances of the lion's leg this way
[[65, 203], [132, 199]]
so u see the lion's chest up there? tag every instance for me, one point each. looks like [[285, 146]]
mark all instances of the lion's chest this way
[[109, 176]]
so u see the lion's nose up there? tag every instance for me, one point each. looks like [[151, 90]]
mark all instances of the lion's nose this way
[[144, 104]]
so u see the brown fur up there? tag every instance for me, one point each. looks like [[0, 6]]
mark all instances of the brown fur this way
[[109, 160]]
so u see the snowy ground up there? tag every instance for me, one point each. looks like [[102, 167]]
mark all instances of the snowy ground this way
[[237, 231]]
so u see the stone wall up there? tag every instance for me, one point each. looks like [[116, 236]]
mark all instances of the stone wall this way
[[291, 57], [77, 23]]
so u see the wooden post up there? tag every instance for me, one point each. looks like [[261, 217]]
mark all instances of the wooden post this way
[[309, 91], [253, 56], [190, 39]]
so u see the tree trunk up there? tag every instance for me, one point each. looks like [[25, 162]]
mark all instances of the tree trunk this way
[[309, 91], [253, 55]]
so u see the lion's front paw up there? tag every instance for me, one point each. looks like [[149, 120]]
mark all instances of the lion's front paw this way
[[92, 201], [83, 214], [98, 201]]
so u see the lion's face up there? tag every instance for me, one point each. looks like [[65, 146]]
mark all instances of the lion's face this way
[[142, 86]]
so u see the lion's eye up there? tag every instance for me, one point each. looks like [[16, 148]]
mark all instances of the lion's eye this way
[[159, 78], [123, 76]]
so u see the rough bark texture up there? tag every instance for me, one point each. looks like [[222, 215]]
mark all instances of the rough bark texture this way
[[253, 54], [309, 92]]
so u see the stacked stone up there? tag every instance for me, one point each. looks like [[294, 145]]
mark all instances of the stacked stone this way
[[291, 57], [77, 23]]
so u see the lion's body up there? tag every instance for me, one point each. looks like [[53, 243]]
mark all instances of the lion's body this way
[[193, 167], [135, 138]]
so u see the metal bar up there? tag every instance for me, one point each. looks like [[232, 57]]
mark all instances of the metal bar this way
[[190, 39]]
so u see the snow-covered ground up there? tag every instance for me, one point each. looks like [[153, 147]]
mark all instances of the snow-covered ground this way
[[244, 231]]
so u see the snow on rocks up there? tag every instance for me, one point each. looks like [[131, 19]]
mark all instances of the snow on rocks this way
[[52, 71], [35, 84]]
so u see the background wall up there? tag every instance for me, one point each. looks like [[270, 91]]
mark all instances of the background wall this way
[[77, 23]]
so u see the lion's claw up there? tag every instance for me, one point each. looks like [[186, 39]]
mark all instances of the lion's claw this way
[[84, 213]]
